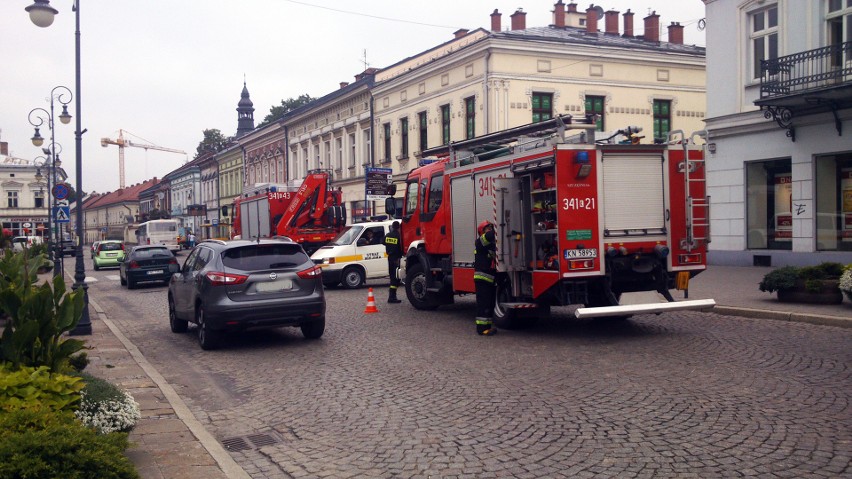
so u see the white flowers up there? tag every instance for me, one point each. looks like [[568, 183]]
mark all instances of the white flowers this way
[[110, 415], [846, 281]]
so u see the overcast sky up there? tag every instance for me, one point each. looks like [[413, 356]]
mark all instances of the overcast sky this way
[[166, 70]]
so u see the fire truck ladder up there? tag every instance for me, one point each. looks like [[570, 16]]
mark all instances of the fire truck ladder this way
[[694, 205], [494, 144]]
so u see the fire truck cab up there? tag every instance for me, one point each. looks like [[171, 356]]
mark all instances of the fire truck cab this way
[[577, 222]]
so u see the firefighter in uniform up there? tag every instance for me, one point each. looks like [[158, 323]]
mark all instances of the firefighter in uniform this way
[[393, 247], [485, 271]]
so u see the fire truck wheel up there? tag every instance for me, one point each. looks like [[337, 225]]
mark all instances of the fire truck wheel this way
[[415, 289], [509, 318], [353, 277]]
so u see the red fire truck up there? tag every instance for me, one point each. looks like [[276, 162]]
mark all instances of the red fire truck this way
[[578, 222], [311, 214]]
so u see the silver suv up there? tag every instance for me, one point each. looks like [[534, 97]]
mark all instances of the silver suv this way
[[241, 284]]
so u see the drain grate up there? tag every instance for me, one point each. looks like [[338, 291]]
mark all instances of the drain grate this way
[[260, 440], [252, 441], [236, 444]]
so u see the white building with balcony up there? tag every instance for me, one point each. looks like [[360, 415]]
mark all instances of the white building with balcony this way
[[779, 104]]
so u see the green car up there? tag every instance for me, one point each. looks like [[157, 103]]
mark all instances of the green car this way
[[108, 253]]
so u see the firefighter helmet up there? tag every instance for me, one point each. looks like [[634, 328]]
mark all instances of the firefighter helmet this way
[[481, 228]]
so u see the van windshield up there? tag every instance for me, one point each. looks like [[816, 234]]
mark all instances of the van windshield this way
[[347, 236]]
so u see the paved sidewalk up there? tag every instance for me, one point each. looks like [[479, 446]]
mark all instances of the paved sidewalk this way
[[170, 443]]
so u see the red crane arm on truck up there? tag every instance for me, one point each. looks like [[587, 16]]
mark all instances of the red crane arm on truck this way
[[308, 206]]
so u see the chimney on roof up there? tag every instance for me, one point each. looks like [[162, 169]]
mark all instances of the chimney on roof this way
[[460, 32], [652, 27], [559, 14], [676, 33], [495, 21], [628, 23], [4, 148], [591, 19], [572, 7], [611, 22], [344, 84], [519, 20]]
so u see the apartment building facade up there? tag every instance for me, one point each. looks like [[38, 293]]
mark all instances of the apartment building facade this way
[[779, 76]]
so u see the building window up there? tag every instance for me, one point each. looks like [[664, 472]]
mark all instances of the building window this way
[[662, 119], [839, 21], [386, 128], [763, 37], [305, 159], [769, 205], [338, 146], [470, 117], [542, 107], [317, 163], [352, 150], [327, 147], [834, 203], [595, 106], [39, 199], [445, 124], [424, 139], [403, 127], [367, 148]]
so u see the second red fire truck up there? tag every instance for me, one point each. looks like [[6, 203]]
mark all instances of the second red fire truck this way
[[311, 213], [578, 222]]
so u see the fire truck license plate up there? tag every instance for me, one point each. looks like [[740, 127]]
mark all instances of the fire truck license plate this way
[[581, 253]]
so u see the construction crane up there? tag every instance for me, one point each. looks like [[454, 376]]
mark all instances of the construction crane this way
[[121, 142]]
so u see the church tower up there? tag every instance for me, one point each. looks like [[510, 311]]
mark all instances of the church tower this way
[[245, 113]]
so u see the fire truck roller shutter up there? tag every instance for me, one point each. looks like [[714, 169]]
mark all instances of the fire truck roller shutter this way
[[464, 219], [633, 188]]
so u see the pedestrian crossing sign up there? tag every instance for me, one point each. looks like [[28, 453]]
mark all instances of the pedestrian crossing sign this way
[[62, 214]]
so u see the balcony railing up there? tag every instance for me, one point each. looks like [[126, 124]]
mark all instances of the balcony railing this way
[[802, 72]]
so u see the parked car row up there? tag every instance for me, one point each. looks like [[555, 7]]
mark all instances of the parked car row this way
[[236, 285], [226, 286]]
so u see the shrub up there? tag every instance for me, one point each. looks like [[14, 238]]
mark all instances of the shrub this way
[[29, 388], [846, 282], [38, 317], [789, 276], [36, 443], [106, 407]]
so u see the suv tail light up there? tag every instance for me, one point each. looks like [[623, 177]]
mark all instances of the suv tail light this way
[[312, 272], [217, 278]]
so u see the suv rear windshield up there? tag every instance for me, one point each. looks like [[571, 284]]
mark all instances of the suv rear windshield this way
[[145, 253], [264, 256]]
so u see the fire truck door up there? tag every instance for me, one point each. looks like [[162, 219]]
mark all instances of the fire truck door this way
[[510, 224]]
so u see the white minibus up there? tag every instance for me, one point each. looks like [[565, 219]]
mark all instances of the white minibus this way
[[160, 232]]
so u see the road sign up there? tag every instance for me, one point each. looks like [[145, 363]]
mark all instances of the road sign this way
[[62, 214], [60, 191], [378, 183]]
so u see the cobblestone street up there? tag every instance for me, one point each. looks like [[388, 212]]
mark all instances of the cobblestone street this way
[[404, 393]]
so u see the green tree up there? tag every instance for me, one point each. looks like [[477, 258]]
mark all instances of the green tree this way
[[285, 107], [213, 140]]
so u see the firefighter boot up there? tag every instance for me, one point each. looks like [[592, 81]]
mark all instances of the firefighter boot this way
[[392, 296], [484, 327]]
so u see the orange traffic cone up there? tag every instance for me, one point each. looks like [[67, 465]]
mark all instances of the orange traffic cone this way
[[371, 303]]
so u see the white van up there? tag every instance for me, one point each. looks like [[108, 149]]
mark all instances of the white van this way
[[351, 258], [21, 242]]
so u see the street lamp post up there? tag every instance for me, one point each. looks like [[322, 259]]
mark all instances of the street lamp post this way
[[51, 162], [63, 95], [41, 14]]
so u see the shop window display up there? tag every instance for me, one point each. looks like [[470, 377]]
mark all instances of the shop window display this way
[[769, 201], [833, 183]]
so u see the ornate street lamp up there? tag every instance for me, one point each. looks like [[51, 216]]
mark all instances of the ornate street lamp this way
[[41, 14], [36, 118]]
